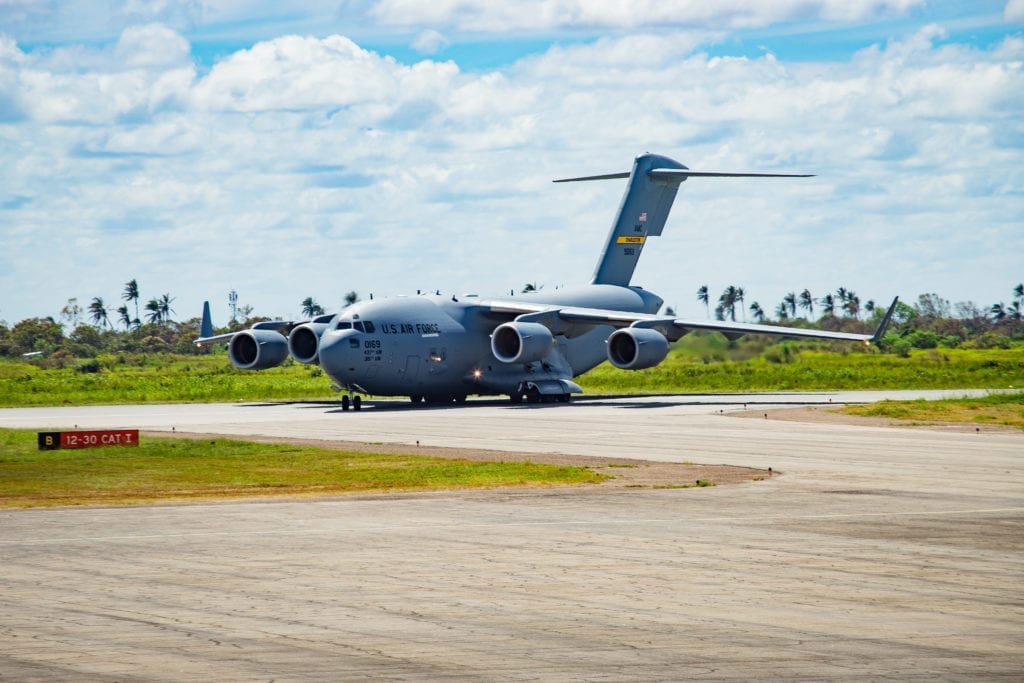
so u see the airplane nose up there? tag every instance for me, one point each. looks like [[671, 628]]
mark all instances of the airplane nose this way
[[339, 352]]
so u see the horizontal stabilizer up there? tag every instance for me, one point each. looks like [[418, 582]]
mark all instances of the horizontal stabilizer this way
[[663, 173], [684, 173]]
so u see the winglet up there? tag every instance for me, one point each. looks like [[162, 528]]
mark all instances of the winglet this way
[[880, 332], [206, 328]]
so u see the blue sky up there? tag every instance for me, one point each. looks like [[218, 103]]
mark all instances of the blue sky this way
[[393, 145]]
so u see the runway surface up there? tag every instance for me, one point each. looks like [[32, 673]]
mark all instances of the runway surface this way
[[878, 553]]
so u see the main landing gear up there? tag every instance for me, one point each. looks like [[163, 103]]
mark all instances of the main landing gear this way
[[533, 395], [354, 402]]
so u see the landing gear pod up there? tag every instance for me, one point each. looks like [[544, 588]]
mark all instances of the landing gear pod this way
[[257, 349], [636, 348], [521, 342], [304, 342]]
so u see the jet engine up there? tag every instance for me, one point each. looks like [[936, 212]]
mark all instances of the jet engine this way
[[517, 342], [636, 348], [257, 349], [304, 342]]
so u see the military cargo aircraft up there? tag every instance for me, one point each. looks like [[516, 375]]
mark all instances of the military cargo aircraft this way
[[442, 349]]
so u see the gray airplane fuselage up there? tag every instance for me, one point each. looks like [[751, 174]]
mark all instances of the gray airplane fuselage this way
[[432, 345]]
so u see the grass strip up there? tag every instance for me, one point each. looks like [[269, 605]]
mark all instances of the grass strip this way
[[186, 469], [994, 409], [175, 379]]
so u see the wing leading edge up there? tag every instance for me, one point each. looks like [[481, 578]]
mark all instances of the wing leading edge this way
[[571, 320]]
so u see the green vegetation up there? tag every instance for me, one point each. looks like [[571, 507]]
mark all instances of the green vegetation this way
[[182, 469], [156, 378], [994, 409], [699, 363], [702, 363]]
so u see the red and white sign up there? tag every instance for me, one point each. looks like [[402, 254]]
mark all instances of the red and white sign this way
[[88, 439]]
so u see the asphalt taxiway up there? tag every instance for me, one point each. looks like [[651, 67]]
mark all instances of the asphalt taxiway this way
[[878, 553]]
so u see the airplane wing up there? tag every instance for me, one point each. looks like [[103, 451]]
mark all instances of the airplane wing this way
[[572, 321], [282, 327]]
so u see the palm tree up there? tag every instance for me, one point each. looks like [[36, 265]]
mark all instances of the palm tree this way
[[702, 297], [852, 304], [351, 298], [781, 311], [531, 287], [98, 312], [757, 312], [807, 302], [719, 312], [131, 293], [727, 302], [739, 299], [310, 308], [155, 314], [828, 305], [124, 317], [1015, 311], [233, 305], [165, 307], [789, 301], [1018, 291], [869, 306]]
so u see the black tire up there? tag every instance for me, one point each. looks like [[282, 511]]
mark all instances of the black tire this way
[[515, 397], [357, 403], [345, 402]]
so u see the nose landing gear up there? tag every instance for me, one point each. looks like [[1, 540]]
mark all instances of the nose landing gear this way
[[351, 401]]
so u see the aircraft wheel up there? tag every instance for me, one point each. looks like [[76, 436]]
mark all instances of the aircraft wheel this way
[[460, 399], [357, 403], [533, 395], [515, 397], [345, 402], [563, 398], [415, 399]]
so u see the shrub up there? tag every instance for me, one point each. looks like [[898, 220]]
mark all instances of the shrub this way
[[90, 366], [988, 340]]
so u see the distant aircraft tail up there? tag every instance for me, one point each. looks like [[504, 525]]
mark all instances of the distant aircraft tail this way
[[653, 184], [206, 327]]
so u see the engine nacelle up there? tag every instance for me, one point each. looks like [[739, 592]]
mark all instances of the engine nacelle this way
[[636, 348], [257, 349], [304, 342], [521, 342]]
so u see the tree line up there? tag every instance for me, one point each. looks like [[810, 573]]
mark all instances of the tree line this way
[[150, 328], [931, 321], [131, 327]]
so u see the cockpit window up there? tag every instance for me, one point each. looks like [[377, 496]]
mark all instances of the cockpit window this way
[[358, 325], [343, 325], [370, 329]]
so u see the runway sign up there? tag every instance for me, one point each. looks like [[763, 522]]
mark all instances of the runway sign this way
[[51, 441]]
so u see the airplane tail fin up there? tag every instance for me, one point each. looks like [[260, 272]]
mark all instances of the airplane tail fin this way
[[206, 327], [653, 184]]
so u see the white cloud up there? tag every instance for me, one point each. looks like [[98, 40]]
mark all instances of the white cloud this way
[[311, 166], [430, 42], [1014, 11], [484, 15]]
